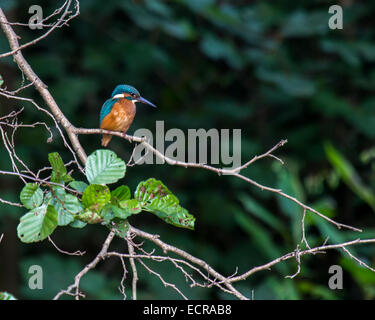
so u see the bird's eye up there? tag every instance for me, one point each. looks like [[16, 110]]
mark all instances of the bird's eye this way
[[133, 95]]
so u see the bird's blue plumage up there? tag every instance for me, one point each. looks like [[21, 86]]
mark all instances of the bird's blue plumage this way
[[121, 88], [124, 113], [108, 105], [106, 108]]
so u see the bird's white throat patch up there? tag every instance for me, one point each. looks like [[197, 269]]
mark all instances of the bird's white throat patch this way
[[119, 96]]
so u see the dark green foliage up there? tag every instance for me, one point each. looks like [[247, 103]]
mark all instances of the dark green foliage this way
[[270, 68]]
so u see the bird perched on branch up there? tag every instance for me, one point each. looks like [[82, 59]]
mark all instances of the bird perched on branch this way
[[118, 112]]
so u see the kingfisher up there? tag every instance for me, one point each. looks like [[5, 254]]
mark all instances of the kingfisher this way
[[118, 112]]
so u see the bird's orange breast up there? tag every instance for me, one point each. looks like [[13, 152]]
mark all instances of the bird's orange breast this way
[[121, 116]]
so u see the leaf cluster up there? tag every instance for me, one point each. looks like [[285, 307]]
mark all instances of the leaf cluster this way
[[65, 201]]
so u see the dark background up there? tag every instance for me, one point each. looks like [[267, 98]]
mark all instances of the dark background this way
[[270, 68]]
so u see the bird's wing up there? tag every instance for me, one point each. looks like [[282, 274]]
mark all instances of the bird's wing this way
[[106, 108]]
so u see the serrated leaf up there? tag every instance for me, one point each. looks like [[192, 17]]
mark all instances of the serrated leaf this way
[[104, 167], [80, 186], [96, 197], [37, 224], [156, 198], [119, 194], [31, 196], [59, 172]]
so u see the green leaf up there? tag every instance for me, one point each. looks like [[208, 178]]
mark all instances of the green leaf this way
[[72, 204], [37, 224], [78, 224], [56, 163], [349, 175], [80, 186], [131, 206], [31, 196], [148, 190], [96, 197], [5, 295], [104, 167], [156, 198], [66, 205], [89, 216], [1, 80], [59, 172], [108, 213], [119, 194], [126, 209], [120, 226]]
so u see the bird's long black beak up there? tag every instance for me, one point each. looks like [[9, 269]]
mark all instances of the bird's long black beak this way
[[145, 101]]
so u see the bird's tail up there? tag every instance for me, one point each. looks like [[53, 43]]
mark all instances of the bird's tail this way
[[106, 139]]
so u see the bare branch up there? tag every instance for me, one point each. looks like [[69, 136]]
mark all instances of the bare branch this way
[[122, 286], [165, 283], [134, 268], [39, 85], [76, 253], [75, 286], [290, 255], [14, 204], [166, 247], [219, 171], [42, 181], [190, 266], [63, 20]]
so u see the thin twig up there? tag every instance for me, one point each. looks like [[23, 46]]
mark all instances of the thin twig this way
[[134, 268], [185, 260], [61, 21], [101, 255], [75, 253]]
